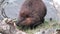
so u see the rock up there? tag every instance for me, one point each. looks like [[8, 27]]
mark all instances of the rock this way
[[7, 26], [48, 31]]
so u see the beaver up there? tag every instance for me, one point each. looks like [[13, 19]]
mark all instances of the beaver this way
[[32, 13]]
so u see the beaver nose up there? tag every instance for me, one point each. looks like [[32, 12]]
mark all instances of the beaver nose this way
[[18, 22]]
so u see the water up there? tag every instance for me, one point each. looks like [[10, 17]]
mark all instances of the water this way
[[13, 9]]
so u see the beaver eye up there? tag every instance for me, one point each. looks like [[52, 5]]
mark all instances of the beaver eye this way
[[27, 16]]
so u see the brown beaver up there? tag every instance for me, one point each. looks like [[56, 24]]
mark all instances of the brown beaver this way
[[32, 13]]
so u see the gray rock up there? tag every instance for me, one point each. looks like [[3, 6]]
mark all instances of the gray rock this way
[[7, 26]]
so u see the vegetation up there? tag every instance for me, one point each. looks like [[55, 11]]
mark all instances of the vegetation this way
[[46, 25]]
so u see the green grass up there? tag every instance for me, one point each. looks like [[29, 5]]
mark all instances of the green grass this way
[[46, 25]]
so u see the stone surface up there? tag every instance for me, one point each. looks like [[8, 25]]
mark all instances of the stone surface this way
[[7, 26]]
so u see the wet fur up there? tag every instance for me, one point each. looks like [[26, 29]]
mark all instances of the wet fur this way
[[32, 13]]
